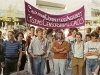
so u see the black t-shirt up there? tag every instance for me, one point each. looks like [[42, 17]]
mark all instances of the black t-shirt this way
[[23, 45]]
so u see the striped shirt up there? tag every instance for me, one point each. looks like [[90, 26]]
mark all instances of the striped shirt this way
[[39, 48], [12, 48]]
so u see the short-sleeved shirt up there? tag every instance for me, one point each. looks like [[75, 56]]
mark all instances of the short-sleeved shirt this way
[[39, 48], [12, 48], [92, 46]]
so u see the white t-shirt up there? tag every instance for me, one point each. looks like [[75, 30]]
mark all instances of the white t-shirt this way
[[70, 39], [92, 46]]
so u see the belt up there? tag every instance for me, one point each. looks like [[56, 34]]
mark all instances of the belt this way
[[78, 57], [12, 58], [40, 55]]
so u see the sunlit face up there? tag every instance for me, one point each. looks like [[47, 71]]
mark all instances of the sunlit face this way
[[59, 35], [88, 38], [69, 30], [44, 32], [87, 30], [32, 30], [10, 36], [97, 29], [40, 33], [20, 37], [93, 38], [74, 33], [78, 38]]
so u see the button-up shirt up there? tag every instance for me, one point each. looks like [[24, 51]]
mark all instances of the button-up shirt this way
[[78, 49], [38, 47]]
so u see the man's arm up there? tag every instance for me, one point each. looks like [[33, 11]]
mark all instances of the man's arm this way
[[30, 50], [59, 50], [32, 55], [26, 40], [86, 50], [48, 48], [20, 55], [90, 53], [66, 48]]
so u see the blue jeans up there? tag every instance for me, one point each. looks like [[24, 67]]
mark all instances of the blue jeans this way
[[39, 65], [10, 66], [91, 65], [68, 62]]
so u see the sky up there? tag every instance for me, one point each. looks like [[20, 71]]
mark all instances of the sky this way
[[19, 4]]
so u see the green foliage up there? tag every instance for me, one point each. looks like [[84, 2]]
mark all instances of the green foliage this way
[[10, 14]]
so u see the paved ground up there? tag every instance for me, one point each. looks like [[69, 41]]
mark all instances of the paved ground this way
[[68, 72], [27, 68]]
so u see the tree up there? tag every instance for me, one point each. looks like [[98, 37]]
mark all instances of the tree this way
[[10, 14]]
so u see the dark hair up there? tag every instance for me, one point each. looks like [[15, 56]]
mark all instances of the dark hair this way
[[99, 27], [39, 29], [88, 35], [74, 29], [31, 27], [89, 29], [60, 32], [15, 31], [49, 31], [17, 34], [78, 33], [95, 34], [0, 31], [12, 32]]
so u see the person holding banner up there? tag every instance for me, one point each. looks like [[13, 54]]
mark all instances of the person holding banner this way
[[39, 51]]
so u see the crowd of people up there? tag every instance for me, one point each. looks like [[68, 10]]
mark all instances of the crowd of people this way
[[75, 50]]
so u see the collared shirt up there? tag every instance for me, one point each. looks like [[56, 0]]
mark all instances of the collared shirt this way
[[38, 47], [12, 48], [92, 46], [78, 49]]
